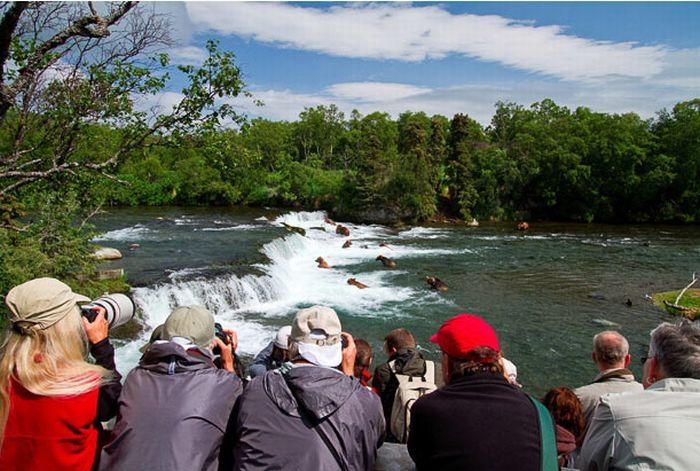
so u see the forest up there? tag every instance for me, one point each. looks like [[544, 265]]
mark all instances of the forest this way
[[542, 162]]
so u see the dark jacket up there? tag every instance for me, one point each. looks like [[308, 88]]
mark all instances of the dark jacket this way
[[408, 361], [173, 412], [477, 422], [263, 362], [276, 415]]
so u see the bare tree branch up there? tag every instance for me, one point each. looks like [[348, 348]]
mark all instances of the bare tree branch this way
[[7, 28]]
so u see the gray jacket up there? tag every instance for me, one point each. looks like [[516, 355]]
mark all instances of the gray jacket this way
[[275, 420], [263, 362], [173, 412], [652, 429], [610, 381]]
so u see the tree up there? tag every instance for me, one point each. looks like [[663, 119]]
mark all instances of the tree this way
[[70, 77], [317, 133], [69, 66], [678, 132], [413, 186], [466, 138]]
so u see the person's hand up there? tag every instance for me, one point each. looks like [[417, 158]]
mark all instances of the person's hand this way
[[226, 354], [348, 364], [232, 338], [97, 330]]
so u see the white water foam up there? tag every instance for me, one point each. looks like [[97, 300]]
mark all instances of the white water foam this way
[[137, 232], [239, 227], [290, 280]]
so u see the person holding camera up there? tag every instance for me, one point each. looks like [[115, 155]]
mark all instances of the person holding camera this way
[[311, 413], [175, 406], [52, 399], [272, 356]]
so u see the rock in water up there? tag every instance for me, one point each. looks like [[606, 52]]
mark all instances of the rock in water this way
[[107, 253], [110, 274], [298, 230]]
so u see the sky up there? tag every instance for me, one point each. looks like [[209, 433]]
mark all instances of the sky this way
[[449, 57]]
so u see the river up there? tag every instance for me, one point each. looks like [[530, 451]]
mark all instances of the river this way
[[546, 291]]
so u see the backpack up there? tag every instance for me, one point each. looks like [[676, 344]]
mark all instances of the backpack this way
[[409, 389]]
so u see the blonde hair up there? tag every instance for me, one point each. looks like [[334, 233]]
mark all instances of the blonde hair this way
[[48, 362]]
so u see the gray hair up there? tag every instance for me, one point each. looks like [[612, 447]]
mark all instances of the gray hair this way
[[610, 347], [676, 348]]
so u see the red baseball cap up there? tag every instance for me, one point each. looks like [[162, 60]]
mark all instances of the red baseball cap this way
[[463, 333]]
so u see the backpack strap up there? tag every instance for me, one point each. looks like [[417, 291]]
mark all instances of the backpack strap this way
[[429, 372], [548, 441]]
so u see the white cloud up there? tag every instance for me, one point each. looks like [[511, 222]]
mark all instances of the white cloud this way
[[159, 103], [475, 100], [409, 33], [375, 91], [188, 55]]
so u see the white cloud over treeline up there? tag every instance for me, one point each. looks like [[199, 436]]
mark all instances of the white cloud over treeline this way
[[406, 32]]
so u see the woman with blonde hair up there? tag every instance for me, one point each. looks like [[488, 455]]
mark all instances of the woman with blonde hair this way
[[52, 399]]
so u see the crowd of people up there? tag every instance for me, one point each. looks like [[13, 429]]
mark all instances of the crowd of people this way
[[310, 400]]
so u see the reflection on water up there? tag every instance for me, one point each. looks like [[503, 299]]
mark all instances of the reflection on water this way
[[547, 291]]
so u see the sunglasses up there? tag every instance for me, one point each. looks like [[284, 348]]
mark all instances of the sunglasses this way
[[643, 359]]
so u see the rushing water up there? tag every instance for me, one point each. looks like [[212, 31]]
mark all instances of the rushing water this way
[[547, 291]]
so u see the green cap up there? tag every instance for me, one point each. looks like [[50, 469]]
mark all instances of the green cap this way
[[40, 303], [192, 322]]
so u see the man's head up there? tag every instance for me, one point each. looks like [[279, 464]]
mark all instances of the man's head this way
[[398, 339], [469, 345], [363, 357], [194, 323], [610, 350], [315, 337], [674, 352]]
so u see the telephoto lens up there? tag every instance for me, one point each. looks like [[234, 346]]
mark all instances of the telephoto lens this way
[[119, 309]]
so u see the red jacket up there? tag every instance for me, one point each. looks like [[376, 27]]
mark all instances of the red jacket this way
[[50, 433]]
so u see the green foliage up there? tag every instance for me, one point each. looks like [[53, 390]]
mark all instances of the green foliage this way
[[53, 245]]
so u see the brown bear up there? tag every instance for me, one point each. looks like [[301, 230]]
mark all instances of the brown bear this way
[[347, 244], [322, 263], [354, 282], [523, 226], [436, 283], [388, 263], [342, 230]]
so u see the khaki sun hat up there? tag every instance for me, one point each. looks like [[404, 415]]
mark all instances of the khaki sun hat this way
[[282, 337], [193, 322], [40, 303], [316, 330], [156, 335]]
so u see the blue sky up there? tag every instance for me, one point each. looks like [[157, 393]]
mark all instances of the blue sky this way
[[449, 57]]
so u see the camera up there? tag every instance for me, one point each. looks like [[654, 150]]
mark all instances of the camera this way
[[219, 332], [119, 309]]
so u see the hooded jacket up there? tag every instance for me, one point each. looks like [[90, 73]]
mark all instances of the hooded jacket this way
[[277, 413], [173, 412]]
